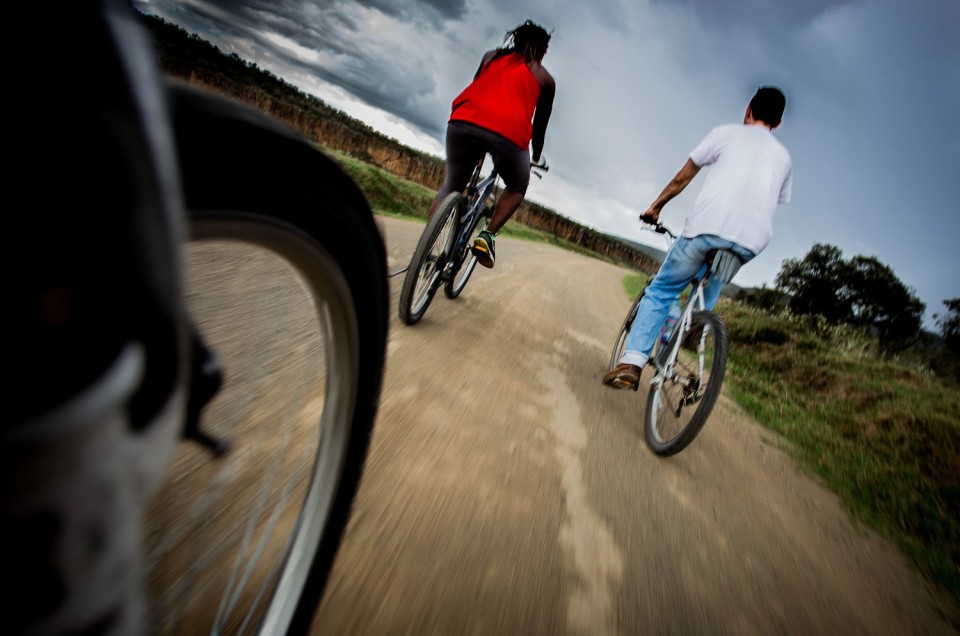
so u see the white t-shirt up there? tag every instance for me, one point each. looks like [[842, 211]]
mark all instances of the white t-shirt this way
[[750, 173]]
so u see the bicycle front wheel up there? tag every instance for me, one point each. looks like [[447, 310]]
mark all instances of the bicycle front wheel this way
[[679, 404], [621, 340], [285, 280], [431, 255]]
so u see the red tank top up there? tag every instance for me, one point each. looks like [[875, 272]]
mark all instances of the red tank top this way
[[502, 99]]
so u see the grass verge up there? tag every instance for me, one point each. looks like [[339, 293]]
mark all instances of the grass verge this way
[[388, 195], [882, 434]]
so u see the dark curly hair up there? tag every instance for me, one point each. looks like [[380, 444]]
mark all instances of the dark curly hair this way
[[528, 39]]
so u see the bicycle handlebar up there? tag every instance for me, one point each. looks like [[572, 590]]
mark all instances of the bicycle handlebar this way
[[658, 227], [535, 167]]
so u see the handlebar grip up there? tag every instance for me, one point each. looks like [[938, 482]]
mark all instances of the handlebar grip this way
[[658, 227]]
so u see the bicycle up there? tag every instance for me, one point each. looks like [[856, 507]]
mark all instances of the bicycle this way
[[689, 363], [121, 350], [443, 255]]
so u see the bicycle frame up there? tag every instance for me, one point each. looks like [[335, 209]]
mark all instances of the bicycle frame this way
[[665, 360], [479, 193]]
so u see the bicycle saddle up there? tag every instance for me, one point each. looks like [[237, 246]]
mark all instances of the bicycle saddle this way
[[725, 265]]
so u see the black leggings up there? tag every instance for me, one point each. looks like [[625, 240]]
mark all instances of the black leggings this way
[[467, 143]]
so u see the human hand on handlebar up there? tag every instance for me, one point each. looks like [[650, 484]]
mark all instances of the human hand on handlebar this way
[[651, 216], [541, 164]]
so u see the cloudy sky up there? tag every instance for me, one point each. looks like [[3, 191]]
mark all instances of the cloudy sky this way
[[873, 93]]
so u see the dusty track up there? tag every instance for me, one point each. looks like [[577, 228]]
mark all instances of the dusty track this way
[[509, 492]]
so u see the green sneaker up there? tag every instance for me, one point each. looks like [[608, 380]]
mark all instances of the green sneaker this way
[[483, 249]]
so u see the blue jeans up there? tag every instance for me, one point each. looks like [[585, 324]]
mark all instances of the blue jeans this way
[[684, 262]]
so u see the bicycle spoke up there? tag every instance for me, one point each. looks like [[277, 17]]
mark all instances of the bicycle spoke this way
[[429, 274]]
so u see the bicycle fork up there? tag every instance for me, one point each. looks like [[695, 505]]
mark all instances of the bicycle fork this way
[[692, 385]]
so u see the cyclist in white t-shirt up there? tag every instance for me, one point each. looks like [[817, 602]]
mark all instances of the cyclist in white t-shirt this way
[[750, 173]]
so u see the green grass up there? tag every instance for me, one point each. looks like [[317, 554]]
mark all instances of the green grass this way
[[633, 284], [388, 195]]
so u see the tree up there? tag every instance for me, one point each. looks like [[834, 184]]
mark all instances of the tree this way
[[879, 300], [945, 362], [861, 292], [950, 324], [816, 283]]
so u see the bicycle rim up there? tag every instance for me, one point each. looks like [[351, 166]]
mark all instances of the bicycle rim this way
[[679, 405], [230, 541], [621, 341], [431, 255]]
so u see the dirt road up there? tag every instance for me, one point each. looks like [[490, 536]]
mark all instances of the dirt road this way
[[509, 492]]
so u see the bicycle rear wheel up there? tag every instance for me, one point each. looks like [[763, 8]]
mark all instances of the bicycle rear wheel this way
[[431, 255], [468, 261], [678, 407], [285, 277]]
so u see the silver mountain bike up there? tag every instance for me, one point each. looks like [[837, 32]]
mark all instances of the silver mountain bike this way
[[688, 364]]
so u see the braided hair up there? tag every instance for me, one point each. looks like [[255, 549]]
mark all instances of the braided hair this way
[[529, 40]]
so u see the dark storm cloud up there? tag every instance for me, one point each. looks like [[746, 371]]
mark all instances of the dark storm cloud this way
[[434, 10]]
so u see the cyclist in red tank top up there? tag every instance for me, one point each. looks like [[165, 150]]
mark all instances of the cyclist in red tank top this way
[[504, 111], [502, 98]]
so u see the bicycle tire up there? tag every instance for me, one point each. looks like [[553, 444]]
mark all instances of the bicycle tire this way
[[468, 260], [251, 180], [423, 276], [666, 430], [621, 341]]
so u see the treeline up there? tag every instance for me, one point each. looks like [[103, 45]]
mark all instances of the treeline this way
[[190, 58], [865, 294]]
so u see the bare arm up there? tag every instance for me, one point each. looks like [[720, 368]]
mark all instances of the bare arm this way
[[548, 90], [675, 187]]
